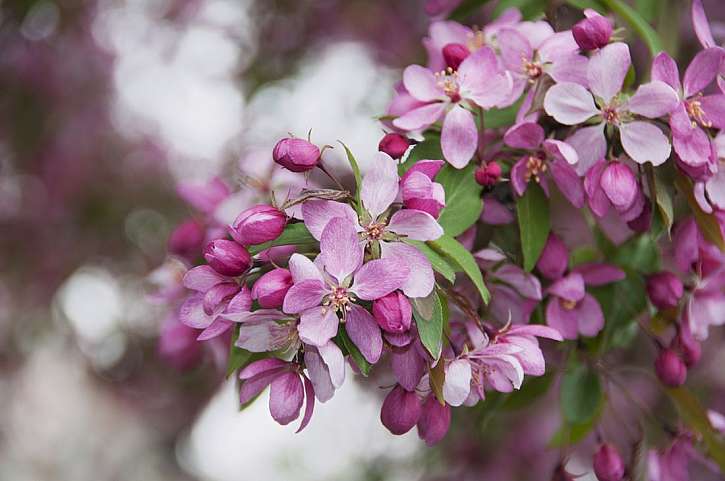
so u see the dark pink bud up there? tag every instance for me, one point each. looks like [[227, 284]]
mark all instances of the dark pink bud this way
[[689, 347], [643, 221], [435, 419], [297, 155], [608, 465], [227, 257], [620, 185], [664, 290], [487, 175], [670, 368], [395, 145], [187, 239], [401, 410], [393, 312], [454, 54], [270, 289], [257, 225], [592, 32], [554, 259]]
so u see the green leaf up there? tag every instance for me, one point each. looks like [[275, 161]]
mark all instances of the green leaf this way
[[640, 254], [464, 261], [570, 434], [707, 223], [693, 414], [344, 341], [497, 118], [466, 9], [439, 263], [534, 223], [647, 8], [358, 179], [463, 199], [293, 234], [429, 149], [428, 313], [622, 302], [437, 377], [593, 4], [238, 357], [581, 394], [643, 29]]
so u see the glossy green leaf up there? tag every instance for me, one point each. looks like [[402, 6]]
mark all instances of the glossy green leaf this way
[[358, 179], [440, 263], [238, 357], [463, 199], [534, 223], [581, 394], [293, 234], [348, 347], [428, 314], [464, 261]]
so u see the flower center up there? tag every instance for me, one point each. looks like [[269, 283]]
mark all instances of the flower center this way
[[448, 80], [533, 70], [475, 40], [535, 167], [610, 115], [339, 300], [697, 115], [374, 231], [568, 305]]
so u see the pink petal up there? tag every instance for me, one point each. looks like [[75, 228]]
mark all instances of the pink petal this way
[[317, 213], [664, 69], [690, 142], [218, 294], [204, 197], [421, 279], [531, 358], [457, 384], [340, 249], [590, 316], [256, 368], [429, 168], [590, 145], [569, 103], [459, 137], [495, 213], [536, 32], [525, 283], [598, 274], [285, 397], [570, 287], [715, 188], [202, 278], [554, 259], [476, 72], [701, 25], [309, 405], [561, 151], [335, 361], [421, 117], [535, 330], [714, 107], [619, 184], [598, 200], [507, 304], [415, 224], [557, 46], [644, 142], [408, 366], [434, 421], [400, 411], [702, 70], [515, 49], [570, 68], [518, 176], [607, 69], [255, 385], [489, 90], [526, 135], [364, 333], [318, 325], [422, 84], [215, 329], [319, 375], [563, 320], [568, 182], [380, 185], [302, 296], [264, 336], [303, 269], [653, 99], [379, 277], [192, 313]]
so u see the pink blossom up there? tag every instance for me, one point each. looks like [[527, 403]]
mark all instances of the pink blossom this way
[[571, 104], [613, 184], [418, 189]]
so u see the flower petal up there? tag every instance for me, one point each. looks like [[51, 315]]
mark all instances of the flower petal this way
[[459, 137], [664, 69], [202, 278], [340, 249], [335, 361], [379, 277], [304, 295], [319, 374], [434, 421], [563, 320], [599, 274], [590, 145], [422, 84], [644, 142], [590, 316], [569, 103], [303, 269], [653, 99], [570, 287], [619, 184], [701, 25], [561, 151], [317, 213], [515, 49], [318, 325], [526, 135], [400, 411], [191, 313], [714, 107], [457, 384], [285, 397], [702, 70], [420, 117], [408, 366], [309, 405], [568, 182], [607, 69], [364, 333], [421, 278], [690, 142], [415, 224]]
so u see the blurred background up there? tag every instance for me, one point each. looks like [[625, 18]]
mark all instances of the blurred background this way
[[106, 108]]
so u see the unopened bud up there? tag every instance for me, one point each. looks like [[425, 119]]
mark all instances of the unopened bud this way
[[227, 257], [400, 411], [270, 289], [395, 145], [664, 290], [454, 54], [608, 465], [487, 175], [297, 155], [670, 369], [393, 312], [257, 225], [592, 32]]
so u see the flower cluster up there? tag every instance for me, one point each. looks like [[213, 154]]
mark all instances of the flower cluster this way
[[465, 244]]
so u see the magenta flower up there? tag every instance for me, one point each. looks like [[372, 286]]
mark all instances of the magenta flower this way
[[289, 389], [694, 111], [704, 35], [544, 158], [571, 104], [593, 31], [325, 291], [216, 295], [418, 189], [378, 191], [613, 184], [478, 82]]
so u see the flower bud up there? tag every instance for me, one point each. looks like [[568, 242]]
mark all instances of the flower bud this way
[[401, 410], [643, 221], [664, 290], [620, 185], [670, 368], [435, 419], [592, 32], [227, 257], [297, 155], [608, 465], [454, 54], [393, 312], [487, 175], [395, 145], [689, 346], [554, 258], [270, 289], [257, 225], [187, 239]]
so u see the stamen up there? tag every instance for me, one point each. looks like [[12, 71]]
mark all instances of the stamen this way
[[535, 168], [448, 81], [475, 40], [533, 70], [697, 115], [568, 305]]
